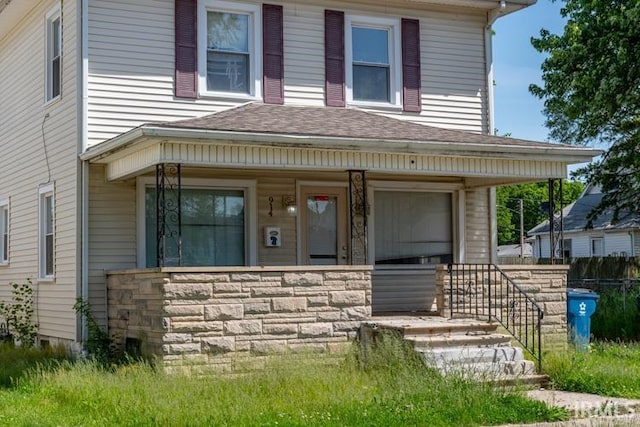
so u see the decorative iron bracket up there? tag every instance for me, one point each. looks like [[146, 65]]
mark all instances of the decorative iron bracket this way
[[359, 210], [169, 214]]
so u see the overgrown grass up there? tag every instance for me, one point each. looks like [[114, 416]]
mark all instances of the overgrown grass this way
[[15, 362], [393, 388], [617, 315], [608, 369]]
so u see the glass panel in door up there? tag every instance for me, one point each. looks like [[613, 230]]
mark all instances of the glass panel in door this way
[[324, 227]]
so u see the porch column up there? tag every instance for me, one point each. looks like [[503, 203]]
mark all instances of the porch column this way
[[556, 223], [358, 208], [168, 214]]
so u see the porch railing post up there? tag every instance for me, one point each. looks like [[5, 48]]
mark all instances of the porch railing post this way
[[450, 271], [489, 292]]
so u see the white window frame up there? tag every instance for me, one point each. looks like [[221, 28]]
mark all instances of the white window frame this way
[[458, 198], [4, 231], [51, 16], [395, 59], [255, 47], [44, 192], [249, 188], [592, 241]]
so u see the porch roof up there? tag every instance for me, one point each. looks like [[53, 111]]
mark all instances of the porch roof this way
[[331, 130]]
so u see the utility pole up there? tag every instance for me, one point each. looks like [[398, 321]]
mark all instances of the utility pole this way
[[521, 228]]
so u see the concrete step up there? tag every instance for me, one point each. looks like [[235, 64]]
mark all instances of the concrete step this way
[[457, 340], [491, 371], [426, 327], [533, 381], [470, 355]]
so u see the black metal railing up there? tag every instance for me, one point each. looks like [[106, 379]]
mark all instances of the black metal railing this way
[[483, 291]]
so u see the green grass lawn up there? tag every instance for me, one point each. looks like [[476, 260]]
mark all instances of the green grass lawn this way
[[608, 369], [393, 388]]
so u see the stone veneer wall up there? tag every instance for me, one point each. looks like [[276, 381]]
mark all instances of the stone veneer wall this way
[[547, 285], [210, 316]]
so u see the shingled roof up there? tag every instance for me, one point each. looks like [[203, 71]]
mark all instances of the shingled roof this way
[[336, 122], [575, 217]]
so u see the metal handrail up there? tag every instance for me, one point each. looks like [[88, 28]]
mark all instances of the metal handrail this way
[[485, 291]]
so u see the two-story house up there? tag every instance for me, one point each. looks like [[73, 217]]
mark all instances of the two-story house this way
[[297, 141]]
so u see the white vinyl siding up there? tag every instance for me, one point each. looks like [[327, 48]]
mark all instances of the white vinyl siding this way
[[24, 132], [617, 244], [112, 234], [131, 65], [583, 244]]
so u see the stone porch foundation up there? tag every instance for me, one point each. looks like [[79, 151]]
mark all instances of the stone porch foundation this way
[[546, 284], [210, 316]]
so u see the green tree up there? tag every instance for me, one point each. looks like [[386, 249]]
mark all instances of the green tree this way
[[532, 195], [591, 92]]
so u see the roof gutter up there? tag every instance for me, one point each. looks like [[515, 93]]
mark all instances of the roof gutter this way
[[561, 153]]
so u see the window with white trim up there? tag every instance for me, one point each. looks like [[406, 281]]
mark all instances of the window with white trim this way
[[4, 231], [229, 49], [217, 221], [372, 50], [54, 53], [597, 246], [47, 232]]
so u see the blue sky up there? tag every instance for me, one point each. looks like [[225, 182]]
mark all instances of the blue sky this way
[[517, 64]]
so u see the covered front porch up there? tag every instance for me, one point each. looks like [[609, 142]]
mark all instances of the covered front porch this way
[[266, 185], [259, 193]]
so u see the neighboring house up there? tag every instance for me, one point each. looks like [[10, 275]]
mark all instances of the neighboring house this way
[[599, 239], [515, 251], [212, 138]]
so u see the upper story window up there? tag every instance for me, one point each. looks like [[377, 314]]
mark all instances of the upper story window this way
[[4, 231], [373, 60], [54, 53], [230, 60]]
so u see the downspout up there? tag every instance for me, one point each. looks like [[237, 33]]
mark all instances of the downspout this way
[[84, 186], [488, 53]]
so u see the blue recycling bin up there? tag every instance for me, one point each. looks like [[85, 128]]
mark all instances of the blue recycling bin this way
[[581, 304]]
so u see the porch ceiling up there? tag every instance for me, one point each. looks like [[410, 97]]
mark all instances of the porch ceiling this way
[[276, 137]]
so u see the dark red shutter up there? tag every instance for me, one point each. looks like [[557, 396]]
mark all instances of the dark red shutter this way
[[272, 54], [334, 58], [186, 81], [411, 91]]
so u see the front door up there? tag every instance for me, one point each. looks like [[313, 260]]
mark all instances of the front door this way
[[324, 225]]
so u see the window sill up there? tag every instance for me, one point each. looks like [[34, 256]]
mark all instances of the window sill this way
[[46, 279], [52, 101], [228, 96], [375, 105], [4, 264]]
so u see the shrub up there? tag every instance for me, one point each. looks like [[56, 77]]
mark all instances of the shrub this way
[[98, 345], [19, 313]]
